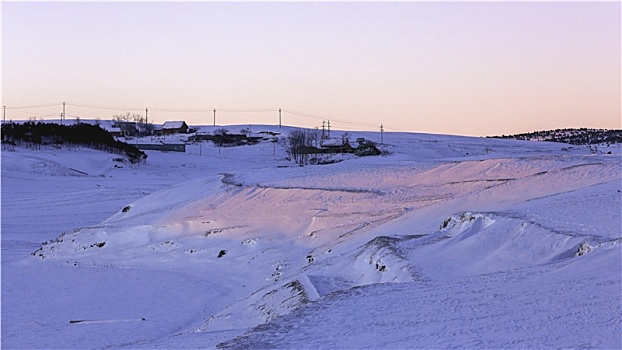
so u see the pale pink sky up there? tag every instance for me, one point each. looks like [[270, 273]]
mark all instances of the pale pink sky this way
[[454, 68]]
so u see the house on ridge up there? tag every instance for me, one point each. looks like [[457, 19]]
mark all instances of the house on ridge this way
[[124, 128], [334, 145], [174, 127], [112, 130]]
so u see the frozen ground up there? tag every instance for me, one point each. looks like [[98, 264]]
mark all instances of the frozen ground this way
[[446, 242]]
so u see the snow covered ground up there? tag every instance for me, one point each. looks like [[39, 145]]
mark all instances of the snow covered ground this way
[[444, 242]]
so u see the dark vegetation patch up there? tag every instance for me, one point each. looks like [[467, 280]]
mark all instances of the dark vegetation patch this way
[[35, 135], [222, 137], [582, 136]]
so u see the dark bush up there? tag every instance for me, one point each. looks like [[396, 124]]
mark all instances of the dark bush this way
[[367, 150], [35, 135]]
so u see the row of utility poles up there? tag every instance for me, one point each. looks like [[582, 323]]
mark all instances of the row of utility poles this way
[[63, 115], [325, 124]]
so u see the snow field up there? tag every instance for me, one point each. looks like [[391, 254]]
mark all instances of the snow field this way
[[429, 247]]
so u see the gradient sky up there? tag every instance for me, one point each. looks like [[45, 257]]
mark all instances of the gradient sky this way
[[451, 68]]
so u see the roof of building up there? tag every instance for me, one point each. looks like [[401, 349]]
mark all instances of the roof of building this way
[[332, 142], [108, 127], [174, 125]]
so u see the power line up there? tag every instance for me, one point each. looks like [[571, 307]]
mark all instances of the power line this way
[[194, 110], [22, 111], [182, 110], [312, 116], [179, 110], [248, 110], [390, 128], [315, 116], [35, 117], [36, 106], [200, 110], [105, 107], [355, 123], [47, 115], [309, 115]]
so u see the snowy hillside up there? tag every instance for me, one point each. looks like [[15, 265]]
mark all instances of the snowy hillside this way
[[441, 242]]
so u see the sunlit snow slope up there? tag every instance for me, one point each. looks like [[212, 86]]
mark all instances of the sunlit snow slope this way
[[443, 242]]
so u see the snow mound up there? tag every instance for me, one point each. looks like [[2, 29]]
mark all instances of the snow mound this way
[[479, 243], [460, 288], [55, 162], [260, 307]]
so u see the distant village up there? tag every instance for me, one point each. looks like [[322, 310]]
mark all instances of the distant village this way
[[309, 143], [304, 146], [119, 128]]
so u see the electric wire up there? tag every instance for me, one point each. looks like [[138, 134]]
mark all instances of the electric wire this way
[[105, 107], [35, 106], [315, 116], [196, 110]]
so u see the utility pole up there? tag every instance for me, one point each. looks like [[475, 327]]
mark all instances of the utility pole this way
[[146, 121], [215, 123], [329, 129], [62, 116], [3, 114], [279, 118], [381, 134]]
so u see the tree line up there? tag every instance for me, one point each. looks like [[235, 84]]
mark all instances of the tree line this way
[[35, 135], [582, 136]]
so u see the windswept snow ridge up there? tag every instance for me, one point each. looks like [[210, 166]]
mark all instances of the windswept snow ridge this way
[[447, 242]]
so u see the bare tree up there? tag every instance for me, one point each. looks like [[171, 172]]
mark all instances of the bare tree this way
[[313, 137], [299, 144], [118, 118], [141, 123], [295, 142]]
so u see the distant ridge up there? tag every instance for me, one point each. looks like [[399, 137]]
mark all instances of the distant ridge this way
[[582, 136]]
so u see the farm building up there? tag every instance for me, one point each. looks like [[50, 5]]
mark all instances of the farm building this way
[[174, 127], [114, 131], [125, 128], [109, 126]]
